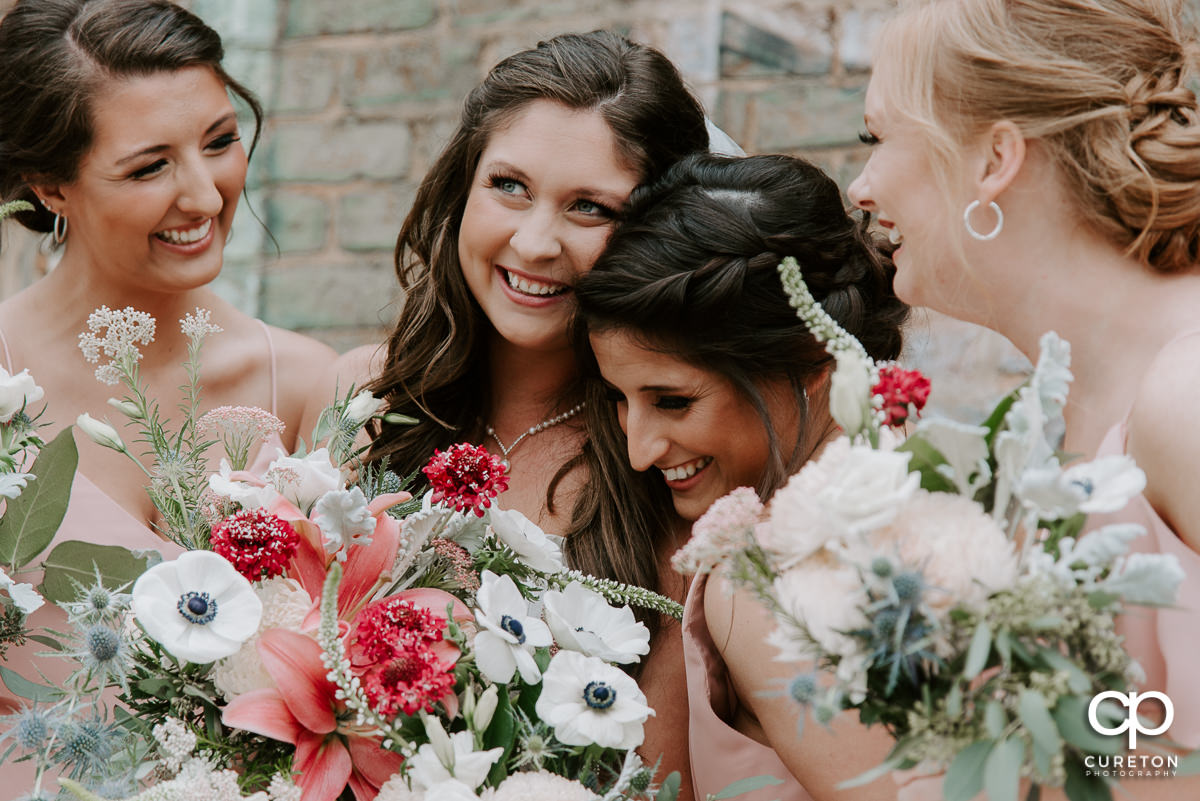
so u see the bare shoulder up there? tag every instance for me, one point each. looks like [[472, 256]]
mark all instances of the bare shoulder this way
[[354, 368], [1164, 435]]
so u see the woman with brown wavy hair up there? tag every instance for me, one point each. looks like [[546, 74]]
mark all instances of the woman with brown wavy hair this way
[[515, 209], [1038, 161]]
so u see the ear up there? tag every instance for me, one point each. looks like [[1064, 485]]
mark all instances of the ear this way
[[1004, 156], [50, 195]]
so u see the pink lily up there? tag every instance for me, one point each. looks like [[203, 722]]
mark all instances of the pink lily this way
[[331, 752]]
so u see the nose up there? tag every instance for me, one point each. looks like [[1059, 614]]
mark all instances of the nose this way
[[536, 237], [859, 193], [647, 441], [198, 192]]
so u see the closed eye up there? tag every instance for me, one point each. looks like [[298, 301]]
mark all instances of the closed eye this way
[[868, 138], [149, 170], [223, 141], [673, 403]]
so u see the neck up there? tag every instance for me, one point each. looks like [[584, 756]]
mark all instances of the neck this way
[[527, 387]]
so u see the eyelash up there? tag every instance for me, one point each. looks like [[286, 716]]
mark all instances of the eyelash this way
[[222, 142], [496, 180], [868, 138], [673, 403]]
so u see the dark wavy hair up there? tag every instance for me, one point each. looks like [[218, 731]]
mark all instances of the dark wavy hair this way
[[55, 55], [692, 272], [435, 369]]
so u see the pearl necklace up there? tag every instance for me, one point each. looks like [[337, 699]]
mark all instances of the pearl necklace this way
[[537, 429]]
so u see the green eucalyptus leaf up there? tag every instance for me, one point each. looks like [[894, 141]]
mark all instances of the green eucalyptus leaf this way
[[748, 785], [1004, 647], [1082, 787], [76, 561], [954, 701], [24, 688], [32, 518], [669, 789], [977, 652], [1070, 713], [994, 718], [1002, 771], [1035, 715], [964, 777], [1077, 680]]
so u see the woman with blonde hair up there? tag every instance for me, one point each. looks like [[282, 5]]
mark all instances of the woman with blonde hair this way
[[1038, 164]]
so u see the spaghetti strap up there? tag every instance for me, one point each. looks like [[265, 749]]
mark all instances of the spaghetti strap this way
[[8, 365], [271, 353]]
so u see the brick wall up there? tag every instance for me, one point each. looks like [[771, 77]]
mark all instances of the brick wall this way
[[362, 94]]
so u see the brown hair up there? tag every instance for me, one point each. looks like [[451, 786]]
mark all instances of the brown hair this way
[[435, 360], [692, 272], [55, 54], [1102, 84]]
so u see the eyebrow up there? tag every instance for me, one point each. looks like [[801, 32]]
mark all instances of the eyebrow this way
[[606, 196], [146, 151]]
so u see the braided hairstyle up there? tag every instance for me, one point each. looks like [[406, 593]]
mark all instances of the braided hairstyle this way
[[1103, 85], [55, 55], [692, 272]]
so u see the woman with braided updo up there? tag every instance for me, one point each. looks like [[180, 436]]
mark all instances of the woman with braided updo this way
[[703, 379], [1039, 163]]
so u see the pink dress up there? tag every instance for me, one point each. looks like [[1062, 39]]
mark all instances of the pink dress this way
[[1165, 640], [95, 517], [720, 754]]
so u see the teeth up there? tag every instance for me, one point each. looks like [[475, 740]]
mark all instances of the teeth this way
[[176, 237], [894, 236], [686, 470], [533, 287]]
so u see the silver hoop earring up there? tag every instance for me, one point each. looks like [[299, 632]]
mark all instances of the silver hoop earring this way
[[990, 235], [60, 229]]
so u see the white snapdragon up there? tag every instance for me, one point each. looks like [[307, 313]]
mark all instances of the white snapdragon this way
[[457, 761], [362, 407]]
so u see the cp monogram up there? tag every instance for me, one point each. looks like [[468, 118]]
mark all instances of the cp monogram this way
[[1132, 723]]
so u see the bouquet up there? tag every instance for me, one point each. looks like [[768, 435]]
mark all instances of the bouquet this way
[[326, 635], [944, 585]]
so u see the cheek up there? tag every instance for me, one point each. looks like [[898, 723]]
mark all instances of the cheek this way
[[586, 245]]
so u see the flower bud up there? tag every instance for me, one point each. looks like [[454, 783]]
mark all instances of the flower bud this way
[[485, 708], [362, 408], [850, 392], [127, 408], [100, 432], [442, 746]]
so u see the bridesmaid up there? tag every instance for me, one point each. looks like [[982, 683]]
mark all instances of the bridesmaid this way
[[705, 380], [1059, 188], [118, 127]]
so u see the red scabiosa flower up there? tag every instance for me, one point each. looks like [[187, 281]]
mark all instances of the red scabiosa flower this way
[[398, 653], [900, 389], [466, 477], [256, 542]]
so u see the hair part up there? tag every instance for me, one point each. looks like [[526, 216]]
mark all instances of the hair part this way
[[692, 272], [1101, 84], [435, 368]]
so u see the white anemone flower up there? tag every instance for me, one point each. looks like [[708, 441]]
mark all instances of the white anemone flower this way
[[427, 769], [508, 633], [344, 520], [531, 545], [24, 595], [198, 606], [582, 620], [587, 700]]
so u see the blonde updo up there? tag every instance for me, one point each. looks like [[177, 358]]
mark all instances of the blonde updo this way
[[1102, 84]]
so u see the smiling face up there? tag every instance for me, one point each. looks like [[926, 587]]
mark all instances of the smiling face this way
[[689, 425], [899, 186], [542, 204], [155, 195]]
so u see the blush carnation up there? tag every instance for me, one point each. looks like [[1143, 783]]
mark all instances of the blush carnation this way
[[723, 530], [899, 389], [466, 477], [256, 542]]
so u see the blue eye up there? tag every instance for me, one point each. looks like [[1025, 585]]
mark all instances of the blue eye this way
[[594, 209], [507, 185]]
